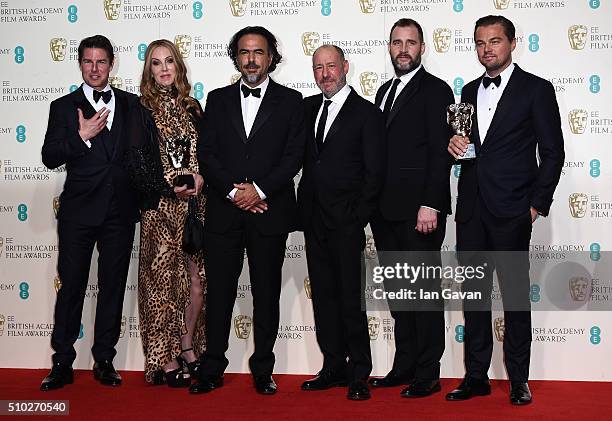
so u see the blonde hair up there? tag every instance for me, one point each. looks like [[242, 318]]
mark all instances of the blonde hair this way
[[149, 91]]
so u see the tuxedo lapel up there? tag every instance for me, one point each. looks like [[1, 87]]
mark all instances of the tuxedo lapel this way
[[235, 110], [312, 120], [381, 92], [471, 97], [118, 121], [407, 93], [267, 107], [81, 102], [504, 106]]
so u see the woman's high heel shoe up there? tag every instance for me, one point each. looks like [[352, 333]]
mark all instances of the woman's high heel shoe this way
[[173, 378], [193, 367]]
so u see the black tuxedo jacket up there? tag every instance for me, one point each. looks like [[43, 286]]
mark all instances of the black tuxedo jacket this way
[[344, 178], [418, 163], [270, 156], [506, 171], [93, 175]]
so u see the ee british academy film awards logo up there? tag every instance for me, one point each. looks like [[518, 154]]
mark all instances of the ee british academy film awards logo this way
[[112, 9], [579, 288], [242, 326], [307, 288], [310, 42], [369, 83], [373, 327], [578, 120], [183, 43], [578, 204], [577, 35], [442, 39], [237, 7], [499, 328], [57, 47], [367, 6]]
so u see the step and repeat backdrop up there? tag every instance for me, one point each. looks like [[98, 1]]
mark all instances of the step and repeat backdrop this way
[[568, 42]]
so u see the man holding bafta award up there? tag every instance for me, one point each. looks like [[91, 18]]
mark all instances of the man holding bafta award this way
[[503, 187]]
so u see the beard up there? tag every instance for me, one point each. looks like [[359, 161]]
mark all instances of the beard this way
[[405, 68], [335, 88], [252, 77]]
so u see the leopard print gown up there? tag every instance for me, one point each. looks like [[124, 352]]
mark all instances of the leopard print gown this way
[[163, 273]]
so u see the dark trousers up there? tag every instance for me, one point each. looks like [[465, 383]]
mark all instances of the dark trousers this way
[[486, 232], [114, 240], [335, 264], [419, 335], [223, 260]]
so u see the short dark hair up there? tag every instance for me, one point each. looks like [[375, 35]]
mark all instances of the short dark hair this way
[[97, 41], [404, 22], [489, 20], [232, 48], [339, 50]]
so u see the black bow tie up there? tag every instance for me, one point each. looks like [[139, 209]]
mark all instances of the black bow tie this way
[[246, 91], [486, 81], [106, 96]]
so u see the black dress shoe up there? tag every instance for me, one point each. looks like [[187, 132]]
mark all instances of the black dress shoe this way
[[392, 379], [205, 384], [469, 388], [421, 389], [325, 379], [358, 391], [106, 374], [264, 385], [60, 375], [520, 394]]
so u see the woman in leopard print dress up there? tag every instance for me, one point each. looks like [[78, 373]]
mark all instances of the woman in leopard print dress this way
[[171, 283]]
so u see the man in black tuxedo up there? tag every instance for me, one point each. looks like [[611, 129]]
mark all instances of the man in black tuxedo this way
[[501, 193], [87, 132], [414, 204], [251, 149], [337, 194]]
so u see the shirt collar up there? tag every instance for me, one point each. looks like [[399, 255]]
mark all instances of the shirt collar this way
[[340, 96], [408, 76], [505, 75], [88, 90], [263, 85]]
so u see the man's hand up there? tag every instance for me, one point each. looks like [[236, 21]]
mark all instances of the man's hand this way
[[183, 192], [427, 220], [246, 196], [534, 214], [89, 128], [458, 146], [260, 207]]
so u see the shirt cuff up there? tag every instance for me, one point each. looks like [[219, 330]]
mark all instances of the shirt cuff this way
[[231, 194], [261, 194], [423, 206], [88, 143]]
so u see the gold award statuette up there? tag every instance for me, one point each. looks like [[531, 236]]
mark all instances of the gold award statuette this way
[[367, 6], [459, 116], [237, 7], [242, 326]]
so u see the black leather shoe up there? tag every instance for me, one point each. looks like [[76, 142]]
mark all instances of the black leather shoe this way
[[264, 385], [520, 394], [60, 375], [106, 374], [392, 379], [469, 388], [421, 389], [205, 384], [358, 391], [325, 379]]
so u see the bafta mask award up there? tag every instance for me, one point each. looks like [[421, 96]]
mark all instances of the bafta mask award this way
[[459, 116], [177, 149]]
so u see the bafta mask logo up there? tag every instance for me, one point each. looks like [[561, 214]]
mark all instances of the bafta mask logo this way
[[370, 247], [580, 287], [123, 324], [57, 283], [235, 78], [115, 82], [111, 9], [307, 288], [500, 328], [242, 326], [183, 43], [501, 4], [368, 82], [367, 6], [1, 246], [373, 327], [577, 35], [2, 322], [57, 46], [442, 39], [578, 204], [238, 7], [56, 205], [310, 42], [578, 121]]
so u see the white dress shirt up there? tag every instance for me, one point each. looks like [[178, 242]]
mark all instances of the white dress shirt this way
[[88, 91], [403, 82], [487, 101], [250, 106], [337, 101]]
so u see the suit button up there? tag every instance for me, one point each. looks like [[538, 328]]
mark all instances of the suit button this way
[[247, 157], [318, 161]]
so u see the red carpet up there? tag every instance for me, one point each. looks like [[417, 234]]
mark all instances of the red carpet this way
[[237, 400]]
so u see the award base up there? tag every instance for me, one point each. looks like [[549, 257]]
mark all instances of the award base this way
[[469, 154]]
